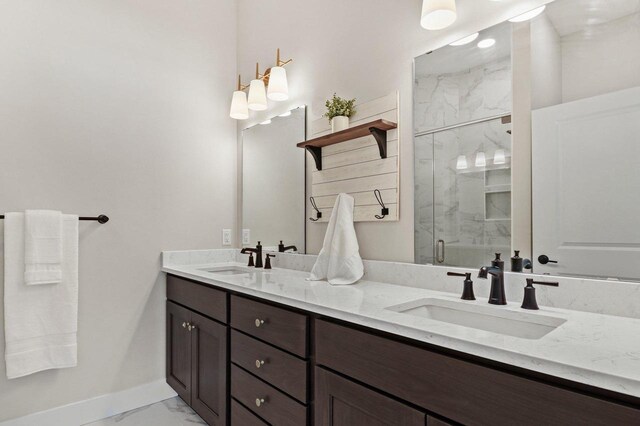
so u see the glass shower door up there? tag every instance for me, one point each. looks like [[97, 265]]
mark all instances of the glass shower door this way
[[472, 193]]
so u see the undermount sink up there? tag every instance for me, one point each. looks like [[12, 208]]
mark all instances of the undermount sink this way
[[226, 270], [488, 318]]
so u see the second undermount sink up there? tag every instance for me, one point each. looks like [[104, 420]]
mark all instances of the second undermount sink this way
[[227, 270], [490, 318]]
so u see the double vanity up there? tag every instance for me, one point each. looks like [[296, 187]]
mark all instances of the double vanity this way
[[249, 346]]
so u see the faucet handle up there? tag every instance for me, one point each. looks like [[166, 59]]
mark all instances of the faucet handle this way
[[529, 301], [251, 262], [267, 262], [467, 292]]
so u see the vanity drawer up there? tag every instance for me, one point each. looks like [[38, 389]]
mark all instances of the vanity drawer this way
[[240, 416], [284, 371], [277, 408], [198, 297], [460, 390], [280, 327]]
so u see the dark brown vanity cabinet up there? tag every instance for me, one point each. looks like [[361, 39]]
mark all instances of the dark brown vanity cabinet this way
[[287, 367], [197, 355]]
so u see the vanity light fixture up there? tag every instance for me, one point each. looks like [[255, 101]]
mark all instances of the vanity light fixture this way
[[461, 164], [499, 157], [278, 87], [528, 15], [465, 40], [257, 93], [487, 42], [274, 78], [239, 108], [481, 160], [438, 14]]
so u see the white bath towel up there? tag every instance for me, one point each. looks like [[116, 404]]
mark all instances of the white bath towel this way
[[41, 320], [42, 247], [339, 260]]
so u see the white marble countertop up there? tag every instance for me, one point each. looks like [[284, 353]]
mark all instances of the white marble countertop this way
[[594, 349]]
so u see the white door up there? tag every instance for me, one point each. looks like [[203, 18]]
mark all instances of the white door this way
[[586, 186]]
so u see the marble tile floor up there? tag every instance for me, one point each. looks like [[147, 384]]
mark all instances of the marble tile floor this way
[[170, 412]]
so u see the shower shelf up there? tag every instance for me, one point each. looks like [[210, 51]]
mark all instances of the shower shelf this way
[[378, 129]]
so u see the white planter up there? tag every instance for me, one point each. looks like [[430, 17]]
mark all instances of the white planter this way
[[339, 123]]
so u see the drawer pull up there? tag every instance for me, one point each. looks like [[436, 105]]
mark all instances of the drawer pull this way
[[184, 325], [259, 363], [259, 402], [259, 322], [191, 327]]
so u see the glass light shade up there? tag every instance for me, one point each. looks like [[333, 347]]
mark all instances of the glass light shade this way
[[257, 96], [239, 109], [438, 14], [278, 87], [481, 160], [461, 164], [528, 15], [487, 42], [499, 157]]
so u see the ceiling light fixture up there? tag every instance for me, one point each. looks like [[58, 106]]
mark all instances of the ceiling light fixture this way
[[465, 40], [483, 44], [438, 14], [528, 15]]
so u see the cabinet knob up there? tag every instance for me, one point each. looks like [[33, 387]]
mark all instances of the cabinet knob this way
[[259, 402], [184, 325], [259, 363], [259, 322]]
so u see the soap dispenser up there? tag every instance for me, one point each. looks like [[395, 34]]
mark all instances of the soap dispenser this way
[[517, 263]]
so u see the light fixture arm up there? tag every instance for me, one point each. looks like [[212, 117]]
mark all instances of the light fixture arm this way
[[265, 77]]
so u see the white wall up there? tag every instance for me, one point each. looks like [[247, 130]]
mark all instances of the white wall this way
[[117, 107], [362, 49]]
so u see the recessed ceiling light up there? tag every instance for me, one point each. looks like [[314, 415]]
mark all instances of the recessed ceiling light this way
[[286, 114], [487, 42], [466, 40], [528, 15], [266, 122]]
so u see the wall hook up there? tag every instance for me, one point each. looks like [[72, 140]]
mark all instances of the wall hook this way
[[315, 207], [385, 209]]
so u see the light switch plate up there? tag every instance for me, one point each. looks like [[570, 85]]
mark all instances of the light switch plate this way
[[246, 236], [226, 237]]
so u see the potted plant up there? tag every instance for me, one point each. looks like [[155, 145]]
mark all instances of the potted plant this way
[[338, 112]]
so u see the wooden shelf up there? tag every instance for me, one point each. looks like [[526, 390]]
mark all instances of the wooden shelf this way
[[378, 129]]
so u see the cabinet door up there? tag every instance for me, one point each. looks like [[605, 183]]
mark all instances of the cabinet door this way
[[179, 350], [209, 369], [341, 402]]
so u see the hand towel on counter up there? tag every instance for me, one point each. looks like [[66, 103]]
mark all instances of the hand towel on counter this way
[[40, 320], [339, 260], [42, 247]]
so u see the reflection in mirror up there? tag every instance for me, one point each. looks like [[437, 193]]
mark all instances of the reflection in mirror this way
[[567, 191], [462, 151], [273, 183]]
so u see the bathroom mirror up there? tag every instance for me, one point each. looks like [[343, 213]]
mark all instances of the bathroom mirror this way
[[530, 142], [273, 183]]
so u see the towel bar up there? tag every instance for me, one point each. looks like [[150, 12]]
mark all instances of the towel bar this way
[[100, 219]]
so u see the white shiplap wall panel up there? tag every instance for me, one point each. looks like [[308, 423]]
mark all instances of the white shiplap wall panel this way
[[355, 166]]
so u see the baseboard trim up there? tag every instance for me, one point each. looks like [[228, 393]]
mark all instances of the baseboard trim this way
[[98, 408]]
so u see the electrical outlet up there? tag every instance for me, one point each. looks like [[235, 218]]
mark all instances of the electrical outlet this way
[[246, 236], [226, 237]]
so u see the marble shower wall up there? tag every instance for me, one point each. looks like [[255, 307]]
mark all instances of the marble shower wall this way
[[447, 99], [468, 209]]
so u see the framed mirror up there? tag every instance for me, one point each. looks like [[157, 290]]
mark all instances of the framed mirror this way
[[527, 137], [273, 183]]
